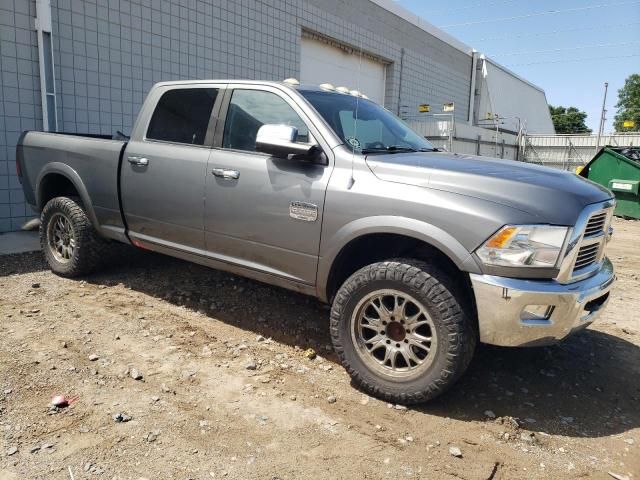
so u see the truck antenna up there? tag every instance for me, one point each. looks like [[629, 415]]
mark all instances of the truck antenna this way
[[352, 180]]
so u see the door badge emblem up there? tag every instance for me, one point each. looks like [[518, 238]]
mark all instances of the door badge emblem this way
[[303, 211]]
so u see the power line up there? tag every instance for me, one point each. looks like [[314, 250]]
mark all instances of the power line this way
[[556, 32], [564, 49], [586, 59], [539, 14], [475, 5]]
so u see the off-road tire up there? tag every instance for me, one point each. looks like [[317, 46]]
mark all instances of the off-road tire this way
[[89, 248], [447, 308]]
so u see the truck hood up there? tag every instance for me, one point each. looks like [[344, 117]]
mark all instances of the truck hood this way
[[553, 196]]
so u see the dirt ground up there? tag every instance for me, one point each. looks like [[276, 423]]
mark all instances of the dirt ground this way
[[224, 389]]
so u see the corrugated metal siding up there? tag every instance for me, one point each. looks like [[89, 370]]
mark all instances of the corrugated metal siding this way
[[467, 139], [512, 98], [570, 151]]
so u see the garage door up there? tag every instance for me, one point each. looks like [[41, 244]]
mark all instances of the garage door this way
[[324, 63]]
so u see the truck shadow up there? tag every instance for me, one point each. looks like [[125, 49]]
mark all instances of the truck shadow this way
[[20, 263], [588, 386]]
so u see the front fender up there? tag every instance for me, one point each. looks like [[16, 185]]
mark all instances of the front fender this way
[[70, 174], [407, 227]]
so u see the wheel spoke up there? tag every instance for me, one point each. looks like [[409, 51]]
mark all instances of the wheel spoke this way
[[421, 323], [420, 338], [380, 308], [388, 353], [373, 322], [413, 319], [421, 346], [398, 306], [376, 342], [411, 355]]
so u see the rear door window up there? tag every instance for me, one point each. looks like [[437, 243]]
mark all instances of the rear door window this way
[[182, 116]]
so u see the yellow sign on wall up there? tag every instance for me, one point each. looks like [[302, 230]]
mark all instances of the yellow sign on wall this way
[[629, 124], [423, 108]]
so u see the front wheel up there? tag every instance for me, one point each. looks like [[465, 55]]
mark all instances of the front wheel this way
[[401, 330]]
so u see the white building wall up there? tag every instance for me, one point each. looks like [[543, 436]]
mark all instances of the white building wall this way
[[511, 98]]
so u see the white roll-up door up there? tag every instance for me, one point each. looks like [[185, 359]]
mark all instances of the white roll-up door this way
[[324, 63]]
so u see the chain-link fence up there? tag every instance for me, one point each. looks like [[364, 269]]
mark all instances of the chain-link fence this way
[[558, 151]]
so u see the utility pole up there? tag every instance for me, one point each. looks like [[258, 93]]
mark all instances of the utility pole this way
[[497, 120], [602, 116], [518, 137]]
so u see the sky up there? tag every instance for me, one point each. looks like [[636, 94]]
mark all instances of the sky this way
[[584, 36]]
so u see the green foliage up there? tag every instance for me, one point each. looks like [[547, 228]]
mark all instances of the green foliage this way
[[628, 104], [568, 120]]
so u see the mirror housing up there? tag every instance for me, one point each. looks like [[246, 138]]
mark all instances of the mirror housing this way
[[280, 141]]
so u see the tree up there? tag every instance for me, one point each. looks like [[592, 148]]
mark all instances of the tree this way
[[568, 120], [628, 104]]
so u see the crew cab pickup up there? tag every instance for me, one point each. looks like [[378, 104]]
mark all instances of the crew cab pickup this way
[[421, 253]]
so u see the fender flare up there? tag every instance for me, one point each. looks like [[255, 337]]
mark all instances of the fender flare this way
[[407, 227], [58, 168]]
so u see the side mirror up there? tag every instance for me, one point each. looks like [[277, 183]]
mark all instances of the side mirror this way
[[280, 141]]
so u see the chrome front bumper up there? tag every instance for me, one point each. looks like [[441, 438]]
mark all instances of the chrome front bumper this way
[[505, 304]]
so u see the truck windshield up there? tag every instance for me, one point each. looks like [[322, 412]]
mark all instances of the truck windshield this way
[[365, 126]]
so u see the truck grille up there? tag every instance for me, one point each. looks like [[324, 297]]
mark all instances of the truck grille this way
[[593, 240], [596, 224], [587, 255], [584, 251]]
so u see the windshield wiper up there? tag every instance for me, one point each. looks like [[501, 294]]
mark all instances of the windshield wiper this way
[[389, 149]]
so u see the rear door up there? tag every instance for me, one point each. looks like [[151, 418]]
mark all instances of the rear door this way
[[164, 166], [252, 199]]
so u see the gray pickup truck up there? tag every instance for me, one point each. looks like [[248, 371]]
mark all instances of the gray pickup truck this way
[[420, 253]]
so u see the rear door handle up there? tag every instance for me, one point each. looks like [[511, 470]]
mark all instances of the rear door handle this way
[[224, 173], [138, 160]]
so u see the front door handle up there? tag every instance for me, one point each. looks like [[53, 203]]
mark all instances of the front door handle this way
[[138, 160], [224, 173]]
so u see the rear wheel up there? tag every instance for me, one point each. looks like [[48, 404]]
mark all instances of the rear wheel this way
[[70, 244], [401, 330]]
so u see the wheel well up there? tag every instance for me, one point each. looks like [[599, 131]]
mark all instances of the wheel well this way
[[377, 247], [56, 185]]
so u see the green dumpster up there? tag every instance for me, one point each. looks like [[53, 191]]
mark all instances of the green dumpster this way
[[618, 169]]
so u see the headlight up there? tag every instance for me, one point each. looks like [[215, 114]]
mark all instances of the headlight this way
[[524, 246]]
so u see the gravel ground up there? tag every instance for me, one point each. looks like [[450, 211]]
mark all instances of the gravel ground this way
[[177, 371]]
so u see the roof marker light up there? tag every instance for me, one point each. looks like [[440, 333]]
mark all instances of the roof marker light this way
[[327, 86], [291, 81], [342, 90]]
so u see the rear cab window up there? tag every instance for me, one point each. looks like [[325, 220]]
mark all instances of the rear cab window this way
[[182, 116]]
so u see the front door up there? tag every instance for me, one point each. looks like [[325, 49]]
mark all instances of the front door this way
[[163, 173], [263, 212]]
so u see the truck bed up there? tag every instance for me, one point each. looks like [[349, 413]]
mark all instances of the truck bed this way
[[90, 162]]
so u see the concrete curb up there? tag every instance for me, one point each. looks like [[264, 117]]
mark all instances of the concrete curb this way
[[19, 242]]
